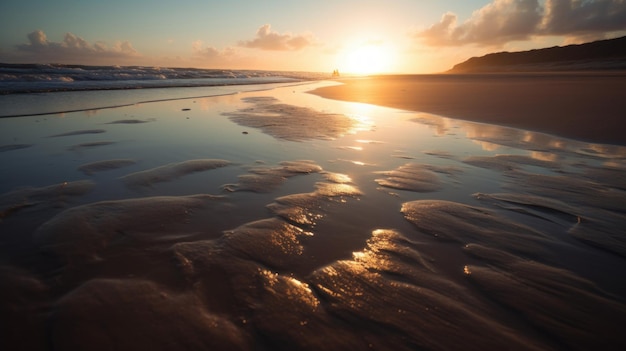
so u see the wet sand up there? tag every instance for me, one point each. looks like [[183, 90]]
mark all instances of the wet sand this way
[[581, 106], [280, 220]]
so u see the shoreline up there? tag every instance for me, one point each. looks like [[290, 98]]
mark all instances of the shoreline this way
[[584, 107]]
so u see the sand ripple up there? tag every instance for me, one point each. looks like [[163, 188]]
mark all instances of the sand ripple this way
[[413, 177], [53, 195], [135, 314], [80, 233], [567, 307], [11, 147], [266, 179], [79, 132], [172, 171], [91, 168], [466, 224]]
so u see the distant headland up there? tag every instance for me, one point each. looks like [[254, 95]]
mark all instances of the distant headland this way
[[599, 55]]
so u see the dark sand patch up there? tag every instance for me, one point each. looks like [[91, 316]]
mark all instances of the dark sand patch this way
[[391, 285], [106, 165], [538, 206], [90, 145], [564, 306], [79, 132], [592, 226], [54, 195], [271, 242], [285, 309], [11, 147], [25, 300], [412, 177], [602, 231], [465, 224], [144, 315], [81, 233], [613, 176], [509, 162], [172, 171], [290, 122], [128, 121], [548, 100], [440, 154], [569, 188], [307, 209], [389, 292], [265, 179]]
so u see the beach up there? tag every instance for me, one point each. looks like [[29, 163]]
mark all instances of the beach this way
[[382, 213], [585, 106]]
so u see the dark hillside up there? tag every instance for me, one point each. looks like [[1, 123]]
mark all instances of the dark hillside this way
[[598, 55]]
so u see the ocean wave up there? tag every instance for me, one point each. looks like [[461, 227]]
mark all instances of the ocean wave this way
[[35, 78]]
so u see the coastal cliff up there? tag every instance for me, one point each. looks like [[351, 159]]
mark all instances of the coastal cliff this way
[[594, 56]]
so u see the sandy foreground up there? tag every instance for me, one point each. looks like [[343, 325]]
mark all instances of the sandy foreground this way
[[275, 219], [582, 106]]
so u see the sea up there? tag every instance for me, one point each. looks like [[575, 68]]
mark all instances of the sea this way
[[25, 89]]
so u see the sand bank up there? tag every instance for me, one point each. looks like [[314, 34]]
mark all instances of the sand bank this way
[[585, 106]]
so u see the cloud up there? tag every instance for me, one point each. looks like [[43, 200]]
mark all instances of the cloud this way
[[567, 17], [266, 39], [73, 48], [209, 52], [208, 56], [502, 21]]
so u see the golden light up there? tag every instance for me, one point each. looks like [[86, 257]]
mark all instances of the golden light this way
[[369, 58]]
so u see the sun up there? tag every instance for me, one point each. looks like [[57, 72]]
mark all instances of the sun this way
[[368, 59]]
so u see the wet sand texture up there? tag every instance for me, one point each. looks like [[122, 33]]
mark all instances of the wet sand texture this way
[[144, 315], [546, 302], [413, 177], [172, 171], [11, 147], [289, 122], [52, 195], [90, 145], [79, 132], [106, 165], [579, 106], [80, 233], [493, 238], [266, 179], [128, 121]]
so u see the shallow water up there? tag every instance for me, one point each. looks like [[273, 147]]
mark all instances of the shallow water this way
[[276, 219]]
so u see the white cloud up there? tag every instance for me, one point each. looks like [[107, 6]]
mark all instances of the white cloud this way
[[72, 49], [503, 21], [266, 39]]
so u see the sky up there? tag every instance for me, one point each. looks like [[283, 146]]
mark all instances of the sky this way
[[353, 36]]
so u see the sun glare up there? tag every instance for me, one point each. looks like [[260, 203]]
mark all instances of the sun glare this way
[[368, 59]]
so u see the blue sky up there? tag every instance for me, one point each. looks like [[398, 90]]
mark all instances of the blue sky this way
[[404, 36]]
